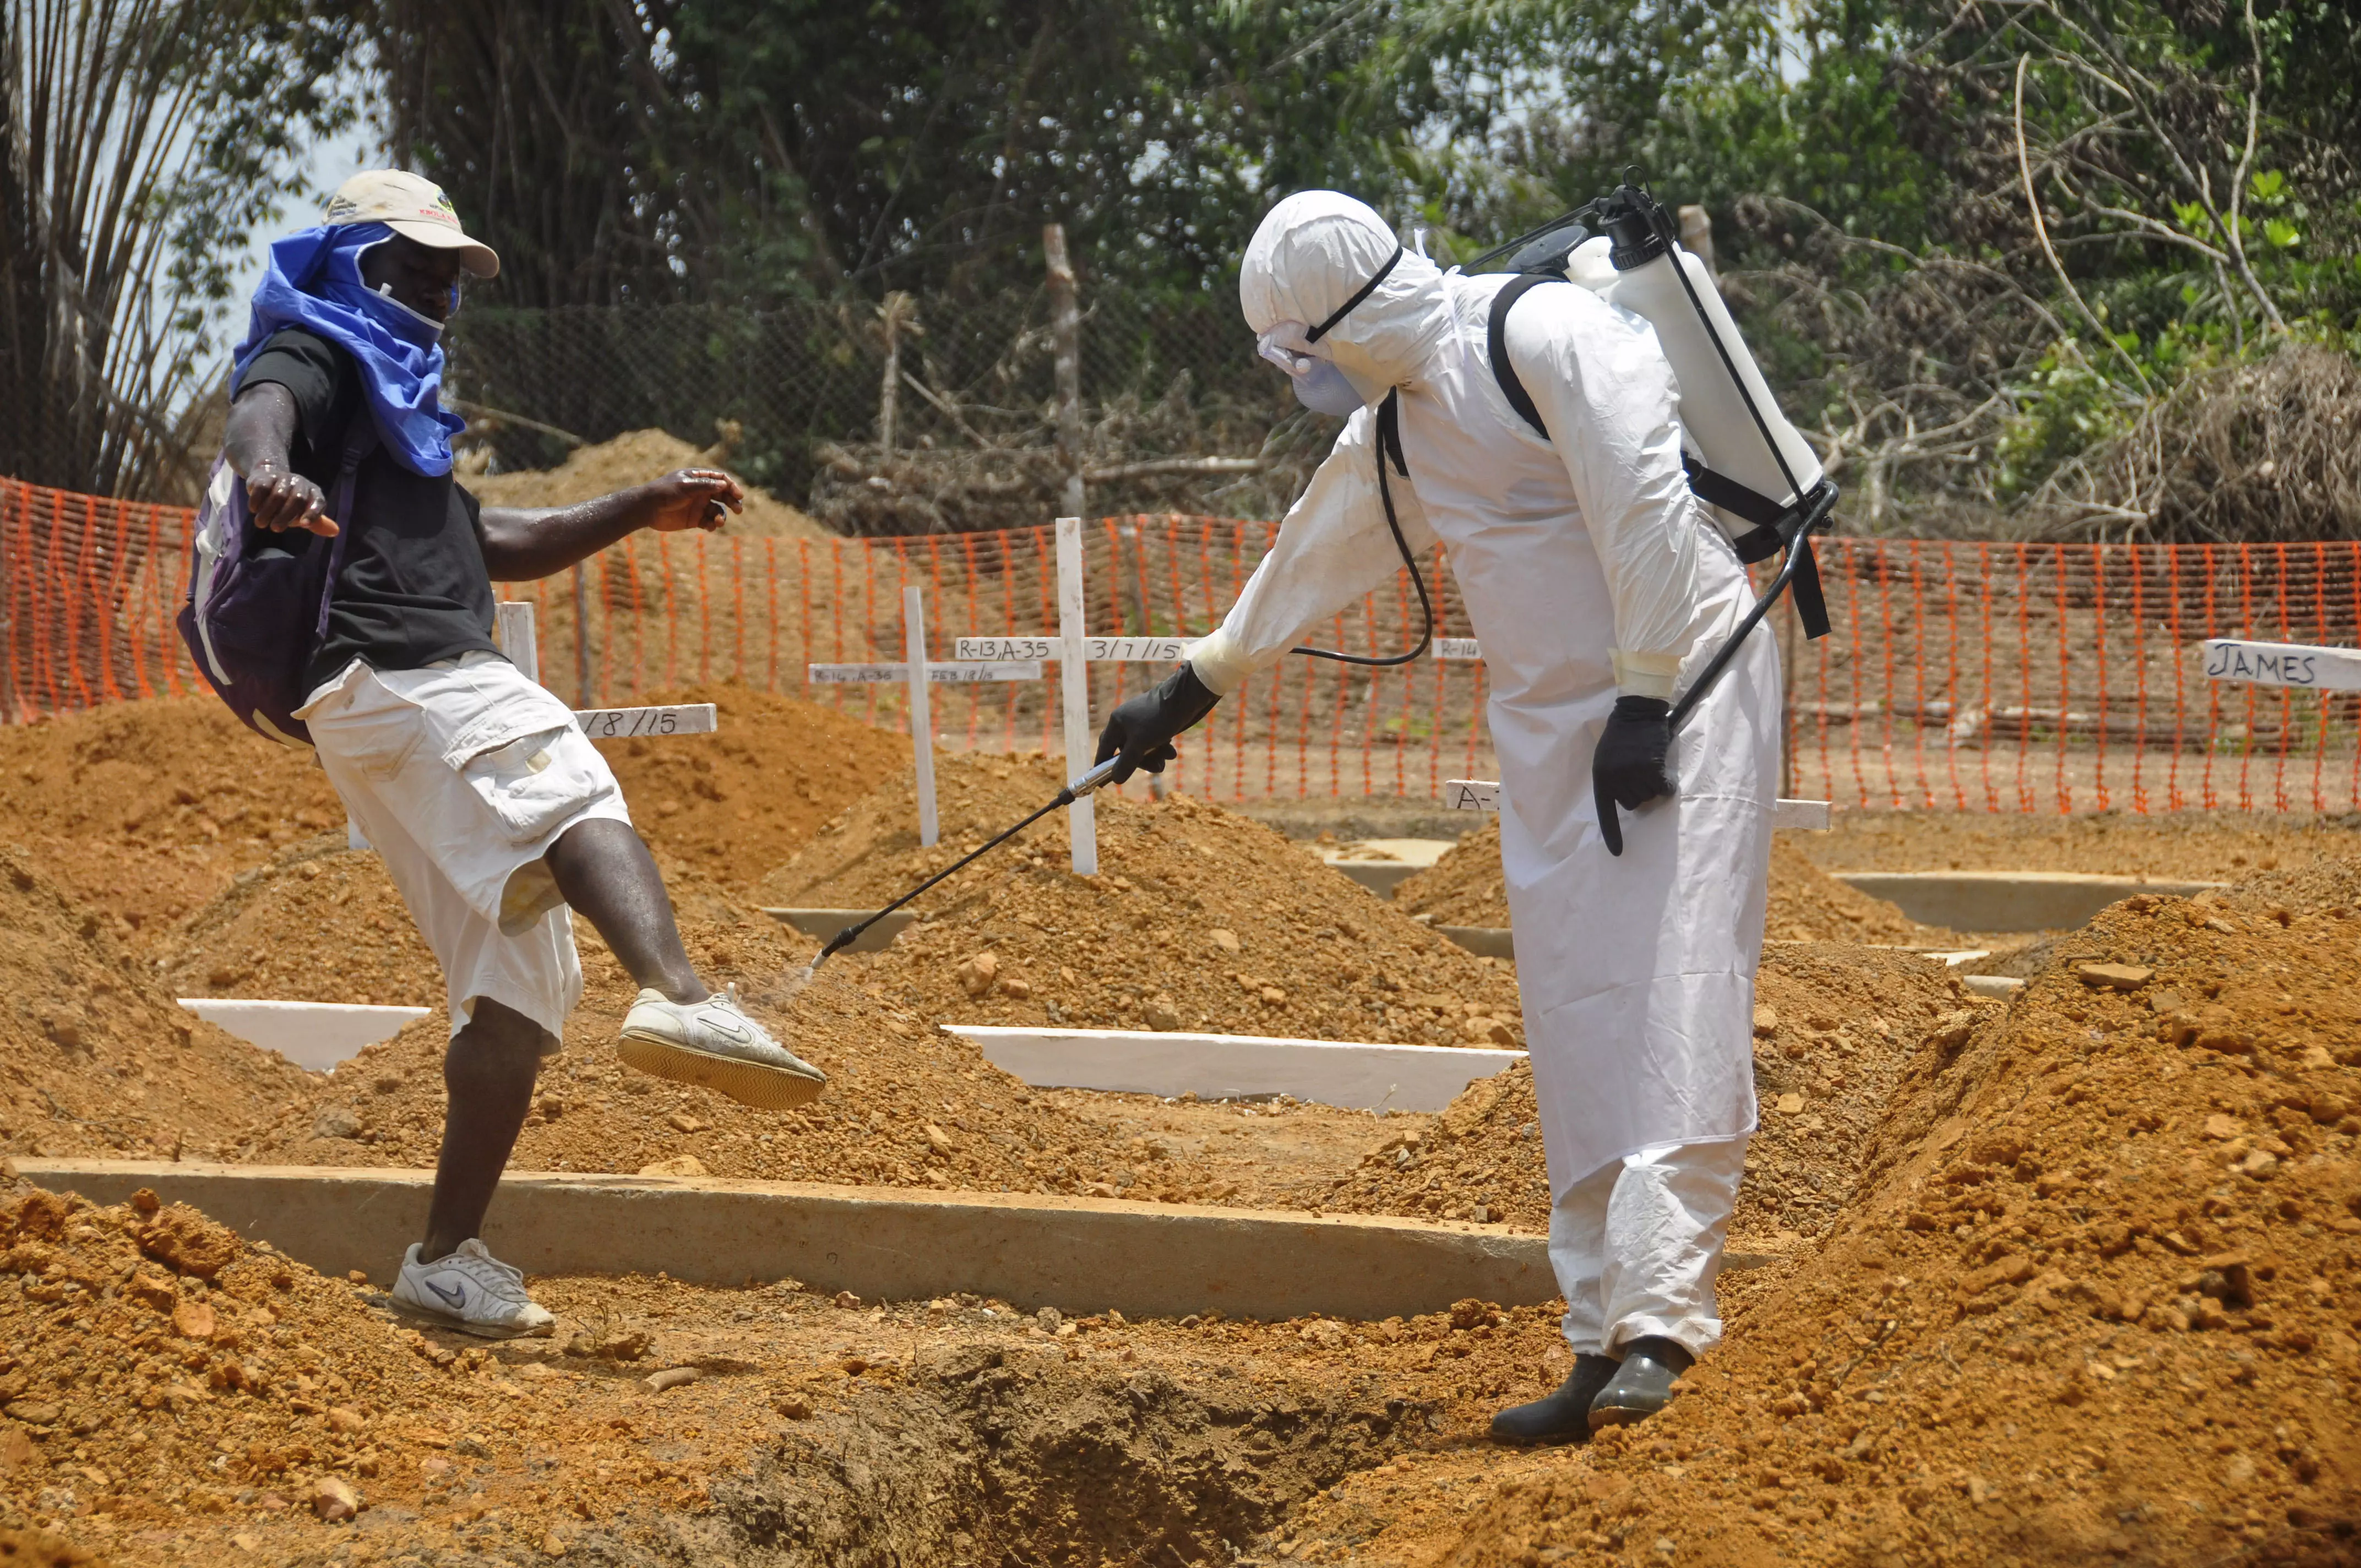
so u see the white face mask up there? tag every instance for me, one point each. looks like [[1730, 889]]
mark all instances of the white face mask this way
[[1318, 385]]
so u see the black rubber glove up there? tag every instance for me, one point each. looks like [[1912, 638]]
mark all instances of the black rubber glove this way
[[1633, 763], [1140, 732]]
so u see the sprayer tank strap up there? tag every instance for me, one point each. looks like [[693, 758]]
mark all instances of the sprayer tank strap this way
[[1349, 306], [1770, 519]]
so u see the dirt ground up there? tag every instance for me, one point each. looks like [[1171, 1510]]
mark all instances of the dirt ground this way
[[1465, 888], [2094, 1301], [1836, 1027], [2059, 1280], [1199, 919], [633, 458], [178, 1396], [735, 805], [95, 1058], [908, 1107], [146, 810]]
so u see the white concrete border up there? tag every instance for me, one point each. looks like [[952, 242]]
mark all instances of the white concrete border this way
[[1354, 1076], [891, 1244], [314, 1035], [2008, 901]]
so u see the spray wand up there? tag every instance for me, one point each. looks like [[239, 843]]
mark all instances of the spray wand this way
[[1090, 782]]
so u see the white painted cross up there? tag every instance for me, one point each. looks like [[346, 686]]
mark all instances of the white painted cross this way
[[922, 708], [2283, 664], [1074, 690], [1484, 794], [512, 629]]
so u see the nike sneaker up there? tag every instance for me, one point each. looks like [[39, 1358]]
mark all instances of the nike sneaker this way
[[471, 1290], [714, 1044]]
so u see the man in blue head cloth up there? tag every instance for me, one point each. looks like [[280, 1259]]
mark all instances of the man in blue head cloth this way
[[492, 811]]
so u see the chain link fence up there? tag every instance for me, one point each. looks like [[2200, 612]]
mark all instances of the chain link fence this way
[[1175, 406]]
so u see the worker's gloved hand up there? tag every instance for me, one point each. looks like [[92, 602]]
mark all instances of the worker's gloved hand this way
[[1633, 763], [1140, 732]]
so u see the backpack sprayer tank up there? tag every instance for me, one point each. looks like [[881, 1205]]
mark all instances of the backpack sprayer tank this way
[[1763, 484], [1725, 406]]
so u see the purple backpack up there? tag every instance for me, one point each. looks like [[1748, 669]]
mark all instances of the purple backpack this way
[[256, 609]]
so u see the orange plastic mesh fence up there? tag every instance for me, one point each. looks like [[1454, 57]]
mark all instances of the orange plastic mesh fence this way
[[1962, 676]]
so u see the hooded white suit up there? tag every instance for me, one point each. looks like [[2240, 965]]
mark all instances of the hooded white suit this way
[[1588, 569]]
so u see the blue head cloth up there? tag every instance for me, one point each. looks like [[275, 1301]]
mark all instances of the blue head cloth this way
[[314, 281]]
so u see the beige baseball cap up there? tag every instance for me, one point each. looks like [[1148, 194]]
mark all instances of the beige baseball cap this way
[[412, 207]]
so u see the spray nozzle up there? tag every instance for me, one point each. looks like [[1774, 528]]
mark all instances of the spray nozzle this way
[[1636, 223]]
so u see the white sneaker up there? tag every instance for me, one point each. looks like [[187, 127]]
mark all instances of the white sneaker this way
[[471, 1290], [714, 1044]]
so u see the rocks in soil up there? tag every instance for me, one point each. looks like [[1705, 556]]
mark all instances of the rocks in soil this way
[[1465, 888], [151, 1403], [2064, 1320], [1199, 919], [98, 1058]]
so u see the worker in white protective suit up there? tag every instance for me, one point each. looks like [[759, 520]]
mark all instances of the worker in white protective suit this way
[[1596, 582]]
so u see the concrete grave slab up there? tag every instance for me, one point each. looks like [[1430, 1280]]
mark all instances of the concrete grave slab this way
[[1356, 1077], [314, 1035], [1075, 1254]]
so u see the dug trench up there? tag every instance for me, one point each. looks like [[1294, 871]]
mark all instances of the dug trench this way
[[177, 1395]]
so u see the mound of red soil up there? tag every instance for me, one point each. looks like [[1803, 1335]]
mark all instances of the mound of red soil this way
[[147, 809], [735, 804], [2093, 1303], [158, 1363], [1199, 919], [1834, 1028], [2192, 846], [319, 922], [1465, 888], [95, 1056]]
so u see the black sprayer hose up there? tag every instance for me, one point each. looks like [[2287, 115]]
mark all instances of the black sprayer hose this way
[[1825, 500], [1388, 432], [1087, 784]]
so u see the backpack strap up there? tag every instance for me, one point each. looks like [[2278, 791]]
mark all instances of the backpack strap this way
[[1497, 336], [1714, 489], [360, 440]]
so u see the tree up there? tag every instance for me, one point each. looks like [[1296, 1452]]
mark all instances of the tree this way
[[145, 140]]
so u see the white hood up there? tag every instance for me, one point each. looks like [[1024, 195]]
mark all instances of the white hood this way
[[1315, 251]]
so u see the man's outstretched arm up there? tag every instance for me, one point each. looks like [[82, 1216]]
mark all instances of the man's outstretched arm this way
[[521, 543], [262, 429]]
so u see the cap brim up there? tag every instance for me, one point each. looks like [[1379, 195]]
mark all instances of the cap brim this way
[[474, 253]]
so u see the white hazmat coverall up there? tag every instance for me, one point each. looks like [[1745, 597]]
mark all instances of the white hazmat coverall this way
[[1589, 571]]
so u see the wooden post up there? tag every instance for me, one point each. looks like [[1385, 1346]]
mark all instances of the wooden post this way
[[895, 314], [512, 629], [922, 712], [1696, 238], [1066, 341], [583, 695], [1074, 689]]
